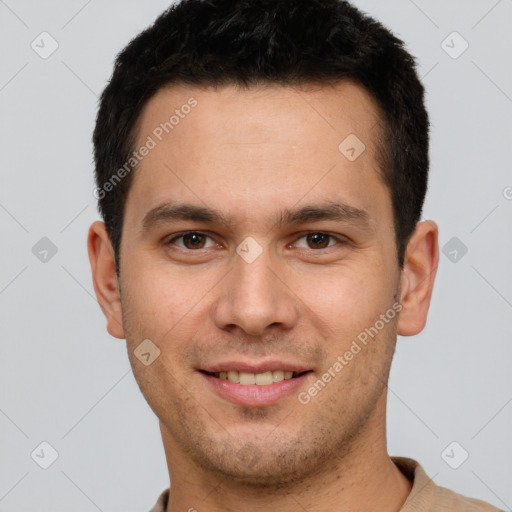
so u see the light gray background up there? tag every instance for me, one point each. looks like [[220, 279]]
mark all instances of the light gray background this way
[[65, 381]]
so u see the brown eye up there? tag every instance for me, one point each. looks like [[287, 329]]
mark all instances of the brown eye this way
[[318, 240], [190, 240], [193, 240]]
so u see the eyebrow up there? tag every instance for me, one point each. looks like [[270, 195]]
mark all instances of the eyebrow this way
[[169, 212]]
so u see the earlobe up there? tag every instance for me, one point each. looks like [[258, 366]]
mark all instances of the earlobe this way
[[106, 285], [418, 275]]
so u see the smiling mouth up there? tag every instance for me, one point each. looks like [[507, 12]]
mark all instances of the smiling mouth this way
[[259, 379]]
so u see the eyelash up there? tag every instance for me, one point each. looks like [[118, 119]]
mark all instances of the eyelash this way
[[340, 241]]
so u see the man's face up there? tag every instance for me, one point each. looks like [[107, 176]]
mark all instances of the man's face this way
[[270, 291]]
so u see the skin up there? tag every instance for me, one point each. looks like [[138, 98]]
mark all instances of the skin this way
[[251, 153]]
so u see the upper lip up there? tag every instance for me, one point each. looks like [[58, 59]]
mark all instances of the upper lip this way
[[266, 366]]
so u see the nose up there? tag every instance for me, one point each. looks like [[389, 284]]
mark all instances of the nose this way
[[255, 297]]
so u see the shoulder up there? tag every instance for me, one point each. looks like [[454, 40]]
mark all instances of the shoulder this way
[[426, 496], [446, 499]]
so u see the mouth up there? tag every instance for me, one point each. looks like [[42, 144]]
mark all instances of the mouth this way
[[249, 389], [265, 378]]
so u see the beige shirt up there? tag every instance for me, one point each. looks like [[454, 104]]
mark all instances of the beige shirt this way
[[425, 495]]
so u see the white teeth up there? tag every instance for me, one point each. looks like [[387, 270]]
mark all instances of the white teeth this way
[[261, 379], [264, 379], [247, 378], [233, 377], [278, 376]]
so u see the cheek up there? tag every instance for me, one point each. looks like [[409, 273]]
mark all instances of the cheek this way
[[161, 302], [349, 316], [348, 298]]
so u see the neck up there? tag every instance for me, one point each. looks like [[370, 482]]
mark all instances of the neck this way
[[363, 479]]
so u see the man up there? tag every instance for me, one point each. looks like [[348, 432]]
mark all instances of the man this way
[[261, 167]]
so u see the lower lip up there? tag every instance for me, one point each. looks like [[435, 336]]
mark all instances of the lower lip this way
[[254, 395]]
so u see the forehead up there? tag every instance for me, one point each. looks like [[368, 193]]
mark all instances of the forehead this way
[[232, 146], [257, 110]]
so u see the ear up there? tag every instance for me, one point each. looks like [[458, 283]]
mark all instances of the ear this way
[[418, 275], [104, 277]]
